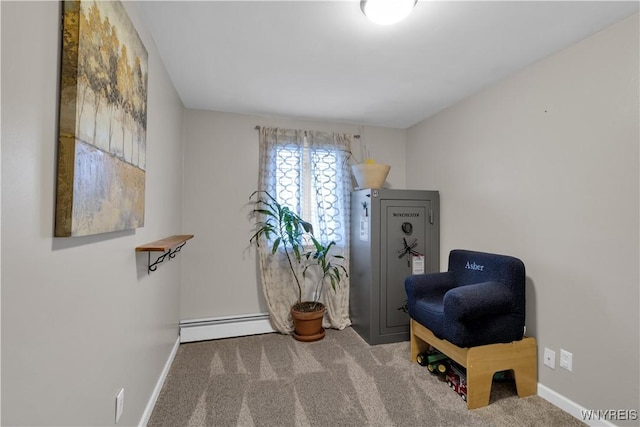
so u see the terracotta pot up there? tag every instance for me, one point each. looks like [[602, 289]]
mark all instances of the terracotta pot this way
[[308, 325]]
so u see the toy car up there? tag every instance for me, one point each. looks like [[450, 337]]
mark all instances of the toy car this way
[[436, 362], [456, 379]]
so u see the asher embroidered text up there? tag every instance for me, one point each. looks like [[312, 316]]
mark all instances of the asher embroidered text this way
[[474, 266]]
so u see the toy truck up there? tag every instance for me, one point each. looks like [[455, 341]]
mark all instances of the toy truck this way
[[457, 380], [436, 362]]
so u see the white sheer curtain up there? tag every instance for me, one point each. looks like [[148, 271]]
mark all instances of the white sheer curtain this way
[[307, 171]]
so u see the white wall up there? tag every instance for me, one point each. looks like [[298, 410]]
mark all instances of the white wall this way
[[220, 276], [80, 316], [544, 166]]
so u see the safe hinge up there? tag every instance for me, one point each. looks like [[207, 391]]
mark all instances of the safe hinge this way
[[431, 216]]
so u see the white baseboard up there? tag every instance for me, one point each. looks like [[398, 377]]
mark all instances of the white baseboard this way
[[567, 405], [156, 391], [224, 327]]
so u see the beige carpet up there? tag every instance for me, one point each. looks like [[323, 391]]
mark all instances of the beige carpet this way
[[273, 380]]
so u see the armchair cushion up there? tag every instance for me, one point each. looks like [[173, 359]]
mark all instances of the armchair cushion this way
[[479, 300], [430, 310]]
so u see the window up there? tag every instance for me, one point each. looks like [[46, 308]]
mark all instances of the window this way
[[308, 172], [307, 181]]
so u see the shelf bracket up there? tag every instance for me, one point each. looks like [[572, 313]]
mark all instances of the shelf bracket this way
[[170, 254], [169, 246]]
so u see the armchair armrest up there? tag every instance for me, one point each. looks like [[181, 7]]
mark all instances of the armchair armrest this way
[[474, 301], [426, 285]]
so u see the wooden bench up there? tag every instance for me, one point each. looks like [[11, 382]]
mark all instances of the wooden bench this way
[[483, 362]]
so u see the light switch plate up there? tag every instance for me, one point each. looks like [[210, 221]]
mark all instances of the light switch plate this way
[[550, 358], [566, 360]]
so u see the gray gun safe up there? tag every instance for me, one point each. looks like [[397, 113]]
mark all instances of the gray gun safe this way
[[394, 233]]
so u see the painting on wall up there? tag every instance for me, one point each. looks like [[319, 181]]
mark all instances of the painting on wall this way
[[103, 121]]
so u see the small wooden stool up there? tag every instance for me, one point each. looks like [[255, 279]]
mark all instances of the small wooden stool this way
[[483, 362]]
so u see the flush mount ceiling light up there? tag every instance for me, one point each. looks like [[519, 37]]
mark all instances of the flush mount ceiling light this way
[[386, 12]]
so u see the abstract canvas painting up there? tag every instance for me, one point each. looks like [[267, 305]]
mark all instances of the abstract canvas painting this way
[[103, 121]]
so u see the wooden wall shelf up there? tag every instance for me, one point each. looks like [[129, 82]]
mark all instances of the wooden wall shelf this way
[[169, 245]]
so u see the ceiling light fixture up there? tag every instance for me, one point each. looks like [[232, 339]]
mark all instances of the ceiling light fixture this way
[[386, 12]]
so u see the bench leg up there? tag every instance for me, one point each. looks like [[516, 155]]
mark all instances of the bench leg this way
[[417, 346], [484, 361], [525, 369], [478, 387]]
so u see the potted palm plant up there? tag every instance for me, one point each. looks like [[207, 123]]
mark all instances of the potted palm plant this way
[[328, 269], [326, 263], [285, 230]]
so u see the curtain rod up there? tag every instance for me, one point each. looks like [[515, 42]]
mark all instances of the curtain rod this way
[[258, 128]]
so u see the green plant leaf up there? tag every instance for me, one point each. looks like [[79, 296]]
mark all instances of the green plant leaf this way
[[317, 244], [307, 227], [276, 244], [265, 212]]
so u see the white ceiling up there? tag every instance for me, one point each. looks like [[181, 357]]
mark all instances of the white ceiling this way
[[323, 60]]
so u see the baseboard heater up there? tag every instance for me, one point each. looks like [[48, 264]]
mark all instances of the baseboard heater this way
[[224, 327]]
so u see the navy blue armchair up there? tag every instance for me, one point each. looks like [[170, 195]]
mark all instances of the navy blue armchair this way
[[480, 299]]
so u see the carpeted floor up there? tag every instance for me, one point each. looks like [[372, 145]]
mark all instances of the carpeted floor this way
[[273, 380]]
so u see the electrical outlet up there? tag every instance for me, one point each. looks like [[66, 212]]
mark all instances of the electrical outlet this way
[[119, 404], [550, 358], [566, 360]]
